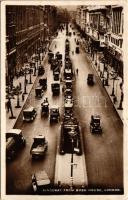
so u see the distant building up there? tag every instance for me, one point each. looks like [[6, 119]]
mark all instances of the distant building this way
[[102, 28]]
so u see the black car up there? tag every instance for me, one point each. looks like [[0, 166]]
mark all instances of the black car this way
[[77, 50], [90, 79], [41, 70], [43, 83], [14, 141], [95, 126], [55, 88], [54, 114]]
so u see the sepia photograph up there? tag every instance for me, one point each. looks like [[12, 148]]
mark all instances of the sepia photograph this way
[[64, 99]]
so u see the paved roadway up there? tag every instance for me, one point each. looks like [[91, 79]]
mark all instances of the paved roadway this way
[[103, 153]]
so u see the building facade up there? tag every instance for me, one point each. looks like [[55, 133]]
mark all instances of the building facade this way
[[102, 29], [28, 29]]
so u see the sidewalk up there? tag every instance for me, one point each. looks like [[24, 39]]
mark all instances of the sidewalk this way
[[99, 68], [10, 123]]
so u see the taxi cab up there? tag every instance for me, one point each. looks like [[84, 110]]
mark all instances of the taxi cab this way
[[29, 114]]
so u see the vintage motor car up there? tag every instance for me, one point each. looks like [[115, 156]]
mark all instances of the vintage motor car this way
[[68, 84], [95, 126], [41, 70], [43, 83], [90, 79], [50, 57], [29, 114], [67, 92], [14, 141], [54, 114], [58, 56], [77, 50], [68, 74], [56, 76], [39, 146], [55, 88], [39, 92], [40, 180], [70, 141], [44, 108], [68, 104]]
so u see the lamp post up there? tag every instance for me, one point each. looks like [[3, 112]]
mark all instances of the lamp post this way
[[18, 91], [30, 79], [121, 101], [25, 92]]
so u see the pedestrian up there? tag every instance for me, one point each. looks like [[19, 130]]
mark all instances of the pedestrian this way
[[8, 105], [114, 99], [72, 52], [77, 71], [20, 85], [23, 97]]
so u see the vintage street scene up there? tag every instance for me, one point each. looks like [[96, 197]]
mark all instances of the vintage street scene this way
[[64, 99]]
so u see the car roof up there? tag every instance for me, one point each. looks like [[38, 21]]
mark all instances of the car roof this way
[[42, 178], [39, 137], [15, 131], [28, 109], [54, 107], [96, 116]]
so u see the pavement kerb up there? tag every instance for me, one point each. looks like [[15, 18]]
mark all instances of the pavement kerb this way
[[27, 95], [93, 65]]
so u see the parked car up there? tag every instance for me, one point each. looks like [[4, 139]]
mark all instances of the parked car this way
[[14, 142], [29, 114], [40, 180], [54, 114], [39, 146], [90, 79], [95, 126]]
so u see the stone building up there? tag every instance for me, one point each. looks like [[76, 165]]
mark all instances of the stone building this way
[[28, 30]]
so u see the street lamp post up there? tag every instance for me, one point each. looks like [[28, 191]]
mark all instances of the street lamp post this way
[[18, 100], [121, 101], [25, 92], [30, 80]]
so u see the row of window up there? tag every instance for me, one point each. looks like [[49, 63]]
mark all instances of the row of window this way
[[117, 42]]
